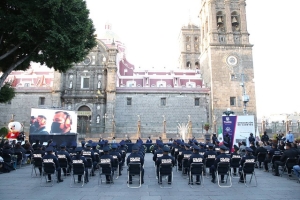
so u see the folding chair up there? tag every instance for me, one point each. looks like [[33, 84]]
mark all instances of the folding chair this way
[[37, 162], [115, 166], [134, 169], [19, 158], [106, 170], [63, 163], [165, 169], [196, 169], [208, 163], [273, 159], [289, 163], [48, 169], [176, 152], [89, 165], [261, 156], [234, 163], [78, 169], [7, 158], [185, 166], [223, 168], [248, 168]]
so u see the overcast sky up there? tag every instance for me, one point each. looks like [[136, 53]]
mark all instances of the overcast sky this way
[[150, 30]]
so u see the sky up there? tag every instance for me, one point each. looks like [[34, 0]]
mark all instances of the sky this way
[[150, 30]]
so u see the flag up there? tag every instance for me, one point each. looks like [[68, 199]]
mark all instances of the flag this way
[[220, 134], [257, 135]]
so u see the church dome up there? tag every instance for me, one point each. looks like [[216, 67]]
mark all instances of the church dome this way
[[109, 36]]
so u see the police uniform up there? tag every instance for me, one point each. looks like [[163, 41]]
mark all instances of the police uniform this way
[[89, 153], [235, 154], [247, 158], [116, 155], [196, 158], [135, 157], [165, 159], [251, 138], [273, 151], [288, 153], [72, 151], [64, 154], [50, 158], [202, 150], [38, 153], [220, 158], [186, 153], [180, 155], [78, 158], [106, 158], [158, 153]]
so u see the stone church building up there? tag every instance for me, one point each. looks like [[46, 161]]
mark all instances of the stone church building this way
[[112, 97]]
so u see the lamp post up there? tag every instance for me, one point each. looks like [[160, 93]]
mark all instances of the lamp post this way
[[228, 112]]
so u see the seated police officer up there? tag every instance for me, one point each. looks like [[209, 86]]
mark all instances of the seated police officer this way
[[136, 157], [288, 153], [186, 153], [89, 153], [235, 154], [64, 154], [248, 157], [107, 159], [271, 153], [220, 158], [39, 153], [165, 159], [196, 158], [50, 158], [78, 158], [116, 155]]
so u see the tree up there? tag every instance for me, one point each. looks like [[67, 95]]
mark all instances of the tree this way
[[57, 33], [7, 93]]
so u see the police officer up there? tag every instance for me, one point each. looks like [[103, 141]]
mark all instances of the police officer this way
[[165, 159], [78, 158], [38, 153], [247, 158], [180, 155], [214, 138], [135, 157], [72, 151], [186, 153], [202, 149], [89, 153], [123, 152], [50, 158], [251, 138], [211, 154], [158, 152], [265, 137], [235, 154], [220, 158], [106, 158], [64, 154], [175, 148], [274, 151], [196, 158], [116, 155]]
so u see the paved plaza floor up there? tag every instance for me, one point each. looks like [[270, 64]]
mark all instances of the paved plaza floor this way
[[19, 185]]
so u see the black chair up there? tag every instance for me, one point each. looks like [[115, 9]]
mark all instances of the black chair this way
[[7, 158], [185, 165], [63, 163], [89, 165], [49, 168], [273, 159], [234, 163], [261, 156], [37, 162], [196, 169], [134, 169], [78, 169], [19, 158], [249, 168], [208, 163], [165, 169], [115, 166], [223, 169], [289, 163], [106, 170]]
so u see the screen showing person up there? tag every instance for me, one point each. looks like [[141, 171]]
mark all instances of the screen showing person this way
[[62, 122], [40, 125]]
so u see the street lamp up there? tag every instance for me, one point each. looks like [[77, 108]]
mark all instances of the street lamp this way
[[228, 112]]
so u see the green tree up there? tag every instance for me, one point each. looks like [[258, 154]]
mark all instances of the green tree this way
[[3, 132], [7, 93], [57, 33]]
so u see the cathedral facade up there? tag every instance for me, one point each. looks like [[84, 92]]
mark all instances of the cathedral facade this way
[[113, 98]]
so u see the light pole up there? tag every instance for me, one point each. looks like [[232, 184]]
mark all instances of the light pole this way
[[245, 97], [228, 112]]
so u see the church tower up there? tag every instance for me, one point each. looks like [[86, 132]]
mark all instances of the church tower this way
[[226, 57], [189, 47]]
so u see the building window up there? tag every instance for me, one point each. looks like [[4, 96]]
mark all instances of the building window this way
[[85, 82], [163, 101], [42, 101], [197, 102], [129, 101], [232, 101]]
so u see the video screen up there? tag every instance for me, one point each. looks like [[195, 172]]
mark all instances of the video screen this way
[[52, 122]]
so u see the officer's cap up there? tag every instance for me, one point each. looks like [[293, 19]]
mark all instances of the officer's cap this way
[[195, 147], [122, 143], [187, 145], [202, 144], [88, 145], [63, 145], [135, 147], [161, 145], [223, 147], [114, 146], [78, 149], [90, 141], [106, 149], [210, 145], [94, 144], [249, 149], [166, 149], [74, 144], [49, 149]]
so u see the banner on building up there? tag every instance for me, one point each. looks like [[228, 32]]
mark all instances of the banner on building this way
[[52, 122], [238, 128]]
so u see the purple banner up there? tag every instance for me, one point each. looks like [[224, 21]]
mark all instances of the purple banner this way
[[229, 123]]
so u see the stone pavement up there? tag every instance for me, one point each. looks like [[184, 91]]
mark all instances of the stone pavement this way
[[19, 185]]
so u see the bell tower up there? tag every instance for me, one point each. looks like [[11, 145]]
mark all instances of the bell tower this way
[[226, 57]]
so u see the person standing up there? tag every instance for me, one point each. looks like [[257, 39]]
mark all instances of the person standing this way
[[251, 138], [149, 140], [290, 137], [265, 137]]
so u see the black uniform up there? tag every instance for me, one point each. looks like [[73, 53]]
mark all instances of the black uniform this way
[[289, 153], [165, 159], [116, 155], [270, 154], [247, 158], [81, 159], [264, 138], [88, 153], [196, 158], [48, 158], [260, 150], [186, 153], [64, 154], [235, 154], [220, 158], [38, 154], [104, 159]]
